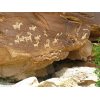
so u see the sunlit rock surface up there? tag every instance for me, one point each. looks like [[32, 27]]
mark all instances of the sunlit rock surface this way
[[72, 77], [29, 42]]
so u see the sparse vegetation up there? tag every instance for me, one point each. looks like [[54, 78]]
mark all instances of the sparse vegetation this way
[[97, 72], [96, 54], [98, 40]]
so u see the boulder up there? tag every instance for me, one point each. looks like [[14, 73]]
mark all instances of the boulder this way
[[29, 42]]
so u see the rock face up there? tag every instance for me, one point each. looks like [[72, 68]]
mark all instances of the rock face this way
[[31, 41], [83, 53], [92, 18]]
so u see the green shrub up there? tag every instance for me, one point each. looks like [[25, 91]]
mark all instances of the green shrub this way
[[97, 72], [96, 54]]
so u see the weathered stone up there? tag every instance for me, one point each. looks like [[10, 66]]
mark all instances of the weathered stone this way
[[58, 82], [81, 72], [83, 53], [84, 76], [31, 81], [72, 77]]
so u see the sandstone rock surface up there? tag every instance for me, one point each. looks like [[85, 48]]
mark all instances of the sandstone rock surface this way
[[32, 41]]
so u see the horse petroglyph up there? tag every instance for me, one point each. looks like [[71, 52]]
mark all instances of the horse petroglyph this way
[[55, 41], [37, 39], [23, 38], [32, 28], [17, 25]]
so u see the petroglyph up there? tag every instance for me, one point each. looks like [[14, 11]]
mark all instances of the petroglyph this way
[[85, 35], [37, 39], [45, 33], [55, 41], [36, 44], [17, 25], [47, 45], [85, 29], [59, 34], [23, 38], [32, 28], [78, 29]]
